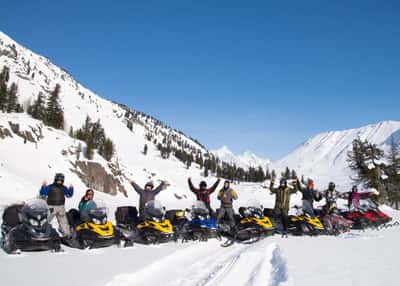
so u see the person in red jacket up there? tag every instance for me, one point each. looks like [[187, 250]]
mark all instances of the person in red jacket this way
[[203, 193]]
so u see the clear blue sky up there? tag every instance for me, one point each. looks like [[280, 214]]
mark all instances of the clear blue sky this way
[[258, 75]]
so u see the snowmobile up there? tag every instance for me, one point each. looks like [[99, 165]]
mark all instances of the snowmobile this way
[[201, 226], [366, 215], [97, 232], [25, 228], [178, 218], [251, 225], [127, 219], [304, 224], [333, 222], [155, 228]]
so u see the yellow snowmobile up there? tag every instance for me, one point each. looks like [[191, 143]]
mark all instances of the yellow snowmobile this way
[[92, 229], [155, 228], [303, 224]]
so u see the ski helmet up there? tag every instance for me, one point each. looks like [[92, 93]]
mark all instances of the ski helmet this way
[[149, 184], [331, 186], [283, 183], [203, 185], [310, 184], [354, 189], [59, 177]]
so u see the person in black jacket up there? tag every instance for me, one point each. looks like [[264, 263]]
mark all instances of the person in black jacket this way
[[309, 195], [147, 194], [55, 195]]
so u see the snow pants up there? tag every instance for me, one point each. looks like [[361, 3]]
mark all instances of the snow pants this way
[[59, 213]]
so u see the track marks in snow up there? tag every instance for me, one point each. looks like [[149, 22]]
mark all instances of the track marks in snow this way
[[211, 265]]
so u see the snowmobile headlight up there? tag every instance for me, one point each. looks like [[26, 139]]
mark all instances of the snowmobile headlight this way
[[104, 220], [96, 221], [33, 222]]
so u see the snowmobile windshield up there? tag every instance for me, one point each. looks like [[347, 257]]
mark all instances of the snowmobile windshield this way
[[199, 208], [35, 207], [35, 212], [367, 204], [154, 209], [97, 212]]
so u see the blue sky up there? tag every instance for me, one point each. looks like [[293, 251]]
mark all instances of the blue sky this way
[[258, 75]]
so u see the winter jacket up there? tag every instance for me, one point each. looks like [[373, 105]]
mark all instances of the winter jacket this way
[[56, 194], [331, 196], [226, 196], [355, 197], [146, 196], [282, 199], [85, 207], [308, 194], [203, 195]]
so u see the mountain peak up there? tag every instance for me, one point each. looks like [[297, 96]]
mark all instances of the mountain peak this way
[[245, 160]]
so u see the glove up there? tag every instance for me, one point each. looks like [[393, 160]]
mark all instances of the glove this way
[[375, 192]]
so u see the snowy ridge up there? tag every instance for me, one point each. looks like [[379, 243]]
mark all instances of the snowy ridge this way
[[324, 156], [245, 160]]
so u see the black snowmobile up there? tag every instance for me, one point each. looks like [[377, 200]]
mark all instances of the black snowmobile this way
[[127, 219], [94, 232], [25, 228]]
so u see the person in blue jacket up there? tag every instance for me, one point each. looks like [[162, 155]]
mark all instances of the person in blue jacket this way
[[55, 195]]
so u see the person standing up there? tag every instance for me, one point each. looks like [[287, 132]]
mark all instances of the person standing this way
[[55, 195], [226, 195], [282, 202]]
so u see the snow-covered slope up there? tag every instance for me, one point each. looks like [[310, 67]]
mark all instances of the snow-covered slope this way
[[245, 160], [20, 171], [323, 157]]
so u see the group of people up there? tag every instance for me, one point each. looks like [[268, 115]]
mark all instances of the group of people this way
[[56, 193], [309, 195]]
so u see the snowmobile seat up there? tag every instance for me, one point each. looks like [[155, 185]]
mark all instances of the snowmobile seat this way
[[11, 216], [269, 212], [74, 217], [126, 215], [173, 215]]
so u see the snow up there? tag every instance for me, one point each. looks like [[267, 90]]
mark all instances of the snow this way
[[356, 258], [324, 156], [245, 160]]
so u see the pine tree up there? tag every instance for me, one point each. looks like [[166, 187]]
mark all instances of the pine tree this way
[[4, 78], [393, 172], [89, 149], [364, 159], [3, 96], [108, 150], [78, 151], [54, 113], [205, 172], [273, 175], [12, 99], [145, 149]]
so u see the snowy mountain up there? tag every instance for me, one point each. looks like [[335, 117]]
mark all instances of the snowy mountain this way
[[323, 157], [245, 160], [25, 163]]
